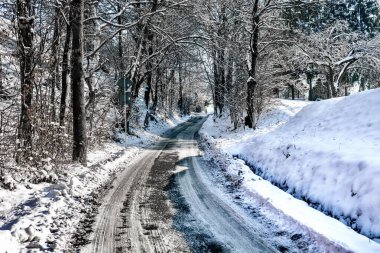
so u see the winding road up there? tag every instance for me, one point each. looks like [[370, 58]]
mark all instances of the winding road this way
[[138, 214]]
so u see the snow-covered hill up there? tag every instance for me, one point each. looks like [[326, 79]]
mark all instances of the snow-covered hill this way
[[329, 154], [325, 153]]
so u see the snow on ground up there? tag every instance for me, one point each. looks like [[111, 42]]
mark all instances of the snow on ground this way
[[44, 216], [327, 154]]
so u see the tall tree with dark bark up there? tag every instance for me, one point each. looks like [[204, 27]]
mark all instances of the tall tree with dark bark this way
[[252, 65], [1, 78], [77, 84], [26, 51]]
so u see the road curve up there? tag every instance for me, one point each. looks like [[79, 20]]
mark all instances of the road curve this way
[[137, 216], [229, 228]]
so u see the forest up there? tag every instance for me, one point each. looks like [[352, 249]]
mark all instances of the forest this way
[[75, 72], [189, 126]]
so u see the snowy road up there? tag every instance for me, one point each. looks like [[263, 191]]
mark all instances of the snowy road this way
[[137, 216], [214, 220], [231, 229]]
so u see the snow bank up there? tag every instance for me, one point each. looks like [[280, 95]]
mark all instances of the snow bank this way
[[8, 243], [332, 141], [327, 154], [44, 217], [294, 215]]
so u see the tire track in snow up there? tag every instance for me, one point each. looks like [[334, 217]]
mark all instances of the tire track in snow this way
[[124, 222]]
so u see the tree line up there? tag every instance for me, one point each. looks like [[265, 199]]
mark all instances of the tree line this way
[[61, 62], [264, 49]]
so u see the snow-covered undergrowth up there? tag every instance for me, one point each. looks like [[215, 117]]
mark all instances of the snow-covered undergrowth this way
[[325, 154], [44, 216]]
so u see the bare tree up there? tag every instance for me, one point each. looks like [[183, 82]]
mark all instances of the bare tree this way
[[77, 84], [334, 53], [26, 52]]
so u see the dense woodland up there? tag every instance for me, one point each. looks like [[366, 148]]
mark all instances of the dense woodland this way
[[61, 63]]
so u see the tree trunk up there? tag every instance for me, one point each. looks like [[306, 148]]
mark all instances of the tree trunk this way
[[93, 61], [25, 44], [54, 66], [330, 83], [216, 82], [222, 33], [229, 76], [148, 88], [219, 80], [180, 100], [292, 90], [120, 45], [310, 82], [252, 82], [2, 93], [342, 72], [222, 81], [170, 94], [156, 90], [77, 84], [147, 93], [65, 72], [149, 67]]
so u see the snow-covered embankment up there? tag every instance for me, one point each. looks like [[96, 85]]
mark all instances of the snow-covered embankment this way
[[327, 154]]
